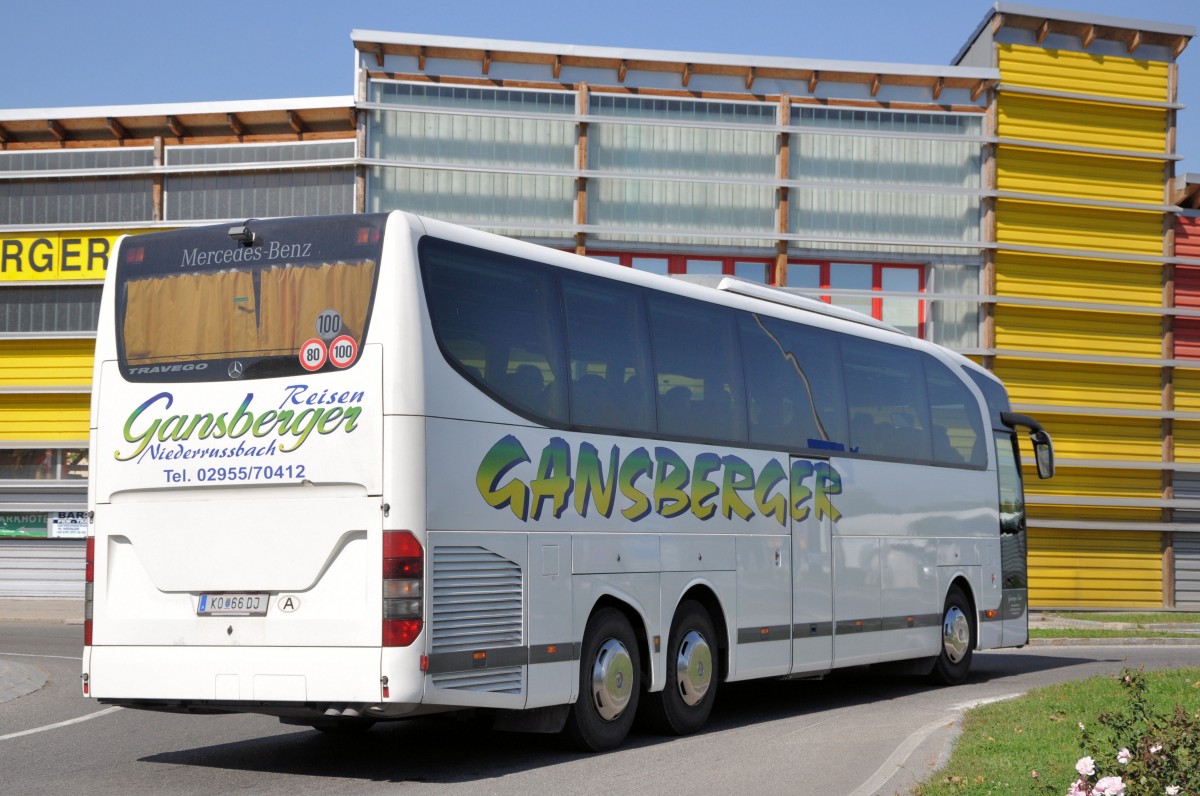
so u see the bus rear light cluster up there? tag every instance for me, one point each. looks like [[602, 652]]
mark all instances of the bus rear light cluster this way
[[403, 574], [89, 580]]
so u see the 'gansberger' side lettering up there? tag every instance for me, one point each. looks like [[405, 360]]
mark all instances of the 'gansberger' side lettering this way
[[662, 483], [323, 412]]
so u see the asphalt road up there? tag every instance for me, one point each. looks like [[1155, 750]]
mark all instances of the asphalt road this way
[[852, 733]]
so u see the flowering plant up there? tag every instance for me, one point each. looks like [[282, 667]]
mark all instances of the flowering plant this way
[[1157, 754]]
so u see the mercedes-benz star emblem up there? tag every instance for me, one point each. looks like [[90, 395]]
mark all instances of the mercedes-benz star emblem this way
[[235, 370]]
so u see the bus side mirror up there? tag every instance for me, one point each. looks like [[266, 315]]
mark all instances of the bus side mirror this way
[[1043, 453]]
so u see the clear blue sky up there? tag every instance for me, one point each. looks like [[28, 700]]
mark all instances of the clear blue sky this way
[[59, 53]]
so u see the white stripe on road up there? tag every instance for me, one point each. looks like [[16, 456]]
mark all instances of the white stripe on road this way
[[55, 726], [35, 655]]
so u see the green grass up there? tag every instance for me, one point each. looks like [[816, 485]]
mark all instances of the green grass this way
[[1002, 743], [1161, 617], [1087, 632]]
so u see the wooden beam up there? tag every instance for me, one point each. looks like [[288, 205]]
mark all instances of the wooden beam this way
[[4, 139], [687, 74], [939, 86], [622, 70], [379, 55], [487, 61], [813, 79], [116, 128], [979, 88], [235, 124], [875, 81], [296, 123], [750, 78], [1180, 43], [557, 66], [56, 129], [1043, 31], [352, 115], [1089, 36], [997, 23], [1135, 41], [421, 54], [176, 127]]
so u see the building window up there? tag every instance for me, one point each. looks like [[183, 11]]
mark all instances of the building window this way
[[753, 270], [905, 312], [43, 464]]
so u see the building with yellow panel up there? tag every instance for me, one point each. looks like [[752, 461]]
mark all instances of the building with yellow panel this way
[[1082, 167], [1016, 206]]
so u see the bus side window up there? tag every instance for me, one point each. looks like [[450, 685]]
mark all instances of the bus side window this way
[[608, 354], [885, 393], [794, 384], [957, 425], [695, 348]]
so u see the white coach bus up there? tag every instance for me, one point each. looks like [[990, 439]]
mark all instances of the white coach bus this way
[[360, 468]]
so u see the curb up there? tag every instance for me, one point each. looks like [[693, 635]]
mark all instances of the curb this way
[[1114, 642]]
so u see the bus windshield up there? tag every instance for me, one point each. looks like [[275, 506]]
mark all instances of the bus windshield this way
[[200, 305]]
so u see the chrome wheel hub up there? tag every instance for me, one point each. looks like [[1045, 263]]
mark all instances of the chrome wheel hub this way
[[612, 679], [956, 634], [693, 668]]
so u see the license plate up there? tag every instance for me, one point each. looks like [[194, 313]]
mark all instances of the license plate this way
[[230, 604]]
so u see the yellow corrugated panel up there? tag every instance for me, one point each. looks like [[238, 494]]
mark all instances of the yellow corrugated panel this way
[[1088, 437], [1083, 73], [46, 363], [1079, 176], [1187, 390], [1078, 332], [1086, 228], [44, 417], [1094, 568], [1104, 514], [1033, 381], [1094, 482], [1078, 279], [1187, 441], [1090, 124]]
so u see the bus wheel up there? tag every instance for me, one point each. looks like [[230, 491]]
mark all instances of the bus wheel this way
[[609, 683], [683, 705], [958, 639]]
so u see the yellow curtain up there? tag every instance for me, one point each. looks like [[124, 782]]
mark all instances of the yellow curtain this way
[[293, 297], [190, 316]]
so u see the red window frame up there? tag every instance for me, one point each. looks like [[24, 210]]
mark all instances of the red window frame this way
[[677, 263], [877, 270]]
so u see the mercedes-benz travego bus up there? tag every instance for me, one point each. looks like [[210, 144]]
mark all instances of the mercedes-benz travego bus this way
[[361, 468]]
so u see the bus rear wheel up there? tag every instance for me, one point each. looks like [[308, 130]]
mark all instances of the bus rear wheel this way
[[682, 707], [958, 639], [610, 676]]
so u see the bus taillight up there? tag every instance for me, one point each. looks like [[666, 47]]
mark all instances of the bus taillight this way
[[366, 235], [89, 577], [403, 575]]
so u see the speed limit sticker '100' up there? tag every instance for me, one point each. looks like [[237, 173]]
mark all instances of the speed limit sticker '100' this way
[[342, 351]]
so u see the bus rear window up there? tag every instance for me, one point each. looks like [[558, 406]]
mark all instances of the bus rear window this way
[[196, 305]]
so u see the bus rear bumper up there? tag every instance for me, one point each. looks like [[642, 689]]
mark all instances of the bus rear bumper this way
[[282, 681]]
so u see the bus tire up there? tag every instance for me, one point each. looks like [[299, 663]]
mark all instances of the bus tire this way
[[958, 639], [682, 707], [610, 674]]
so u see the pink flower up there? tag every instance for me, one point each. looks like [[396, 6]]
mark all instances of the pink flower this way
[[1086, 766], [1171, 790], [1156, 749], [1124, 756], [1077, 789], [1109, 786]]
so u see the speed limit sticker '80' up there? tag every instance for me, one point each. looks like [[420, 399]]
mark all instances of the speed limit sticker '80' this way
[[313, 354]]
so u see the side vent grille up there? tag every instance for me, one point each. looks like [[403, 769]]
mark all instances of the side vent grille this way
[[475, 604]]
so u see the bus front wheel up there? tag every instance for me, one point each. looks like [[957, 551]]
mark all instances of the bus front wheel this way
[[609, 683], [958, 639], [682, 707]]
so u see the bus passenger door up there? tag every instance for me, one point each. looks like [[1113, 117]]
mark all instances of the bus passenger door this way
[[812, 571]]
